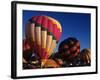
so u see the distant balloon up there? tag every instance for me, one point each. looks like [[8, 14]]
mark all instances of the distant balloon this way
[[69, 48], [43, 32], [85, 56]]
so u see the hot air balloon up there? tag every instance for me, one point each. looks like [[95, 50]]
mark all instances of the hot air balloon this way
[[85, 57], [43, 32], [69, 49]]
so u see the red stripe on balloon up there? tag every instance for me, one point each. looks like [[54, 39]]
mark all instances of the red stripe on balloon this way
[[36, 49], [39, 50], [50, 26], [43, 53], [44, 22], [59, 34], [39, 20], [46, 55], [34, 18], [55, 31], [26, 45]]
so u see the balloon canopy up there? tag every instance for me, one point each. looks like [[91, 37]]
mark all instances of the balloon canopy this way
[[43, 33], [85, 56], [69, 48]]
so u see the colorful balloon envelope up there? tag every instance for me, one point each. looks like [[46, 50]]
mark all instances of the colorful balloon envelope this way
[[85, 57], [43, 32], [69, 48]]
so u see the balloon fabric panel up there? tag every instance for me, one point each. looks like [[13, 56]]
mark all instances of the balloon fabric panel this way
[[44, 33]]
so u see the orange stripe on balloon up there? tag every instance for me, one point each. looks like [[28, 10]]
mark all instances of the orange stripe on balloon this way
[[56, 22]]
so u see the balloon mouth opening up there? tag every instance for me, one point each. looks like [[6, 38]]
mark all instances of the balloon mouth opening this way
[[43, 62]]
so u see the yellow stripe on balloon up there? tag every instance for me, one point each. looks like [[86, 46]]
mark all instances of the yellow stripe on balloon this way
[[38, 35], [53, 45], [33, 32], [49, 41], [43, 39]]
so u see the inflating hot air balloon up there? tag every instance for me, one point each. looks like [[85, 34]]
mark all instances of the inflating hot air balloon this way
[[43, 33], [69, 49], [85, 57]]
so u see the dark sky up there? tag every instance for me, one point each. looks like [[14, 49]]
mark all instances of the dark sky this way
[[73, 25]]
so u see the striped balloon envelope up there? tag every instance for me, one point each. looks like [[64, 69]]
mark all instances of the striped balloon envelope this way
[[69, 48], [43, 33]]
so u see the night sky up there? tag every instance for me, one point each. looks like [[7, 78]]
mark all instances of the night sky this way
[[73, 25]]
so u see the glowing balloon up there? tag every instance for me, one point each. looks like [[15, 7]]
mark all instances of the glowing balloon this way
[[43, 32]]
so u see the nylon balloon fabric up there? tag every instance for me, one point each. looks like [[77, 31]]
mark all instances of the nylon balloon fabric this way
[[85, 57], [69, 48], [43, 33]]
